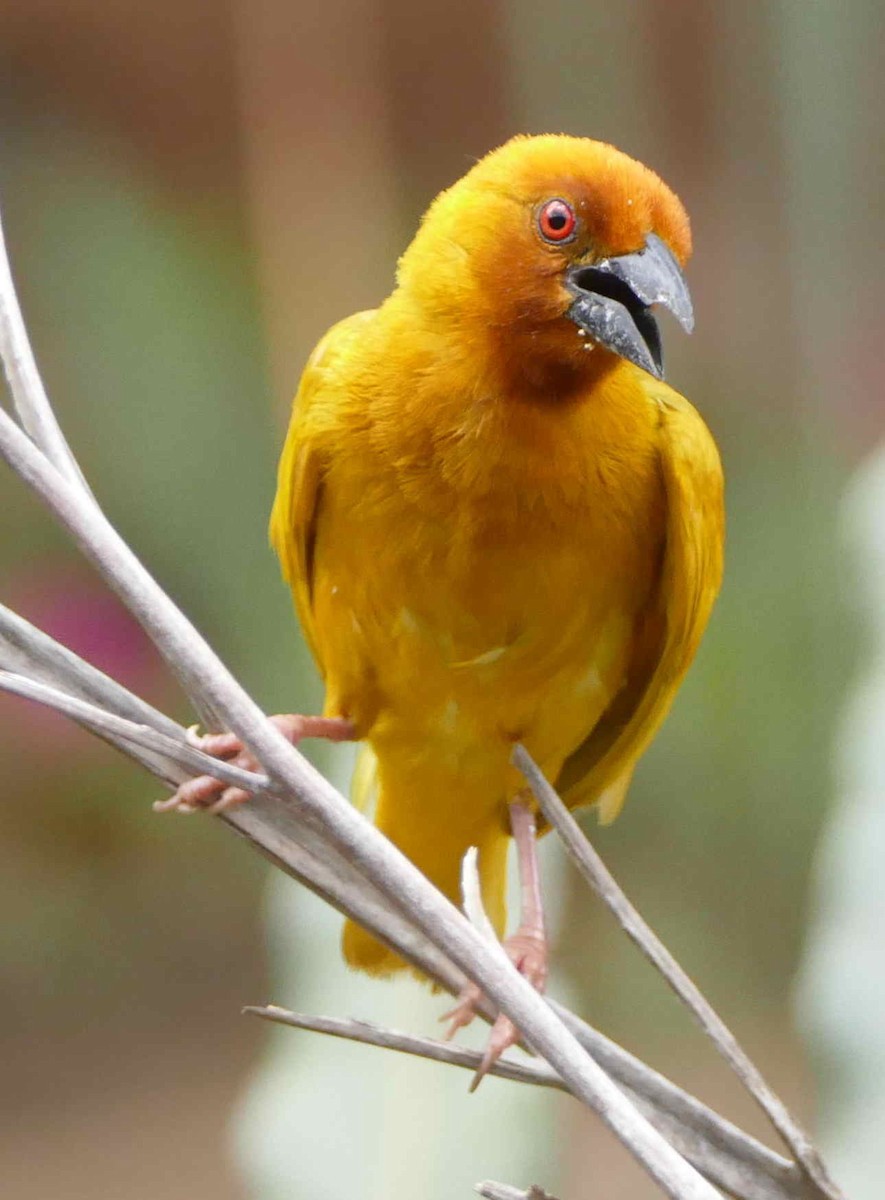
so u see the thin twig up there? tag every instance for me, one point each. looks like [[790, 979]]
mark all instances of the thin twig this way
[[371, 1034], [503, 1191], [31, 402], [603, 883], [474, 910], [120, 729], [24, 649], [728, 1157]]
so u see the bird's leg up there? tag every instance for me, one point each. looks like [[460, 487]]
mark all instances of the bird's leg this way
[[527, 947], [212, 794]]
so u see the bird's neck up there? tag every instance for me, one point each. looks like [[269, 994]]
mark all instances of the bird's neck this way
[[495, 417], [546, 364]]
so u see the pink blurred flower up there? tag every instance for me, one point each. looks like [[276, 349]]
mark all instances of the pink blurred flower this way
[[75, 609]]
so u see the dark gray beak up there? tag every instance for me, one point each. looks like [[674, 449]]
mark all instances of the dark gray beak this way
[[613, 299]]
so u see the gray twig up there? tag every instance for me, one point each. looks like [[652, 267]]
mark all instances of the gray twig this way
[[603, 883], [728, 1157], [120, 730], [31, 402], [371, 1034], [503, 1191]]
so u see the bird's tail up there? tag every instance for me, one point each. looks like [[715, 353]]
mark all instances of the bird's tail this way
[[434, 828]]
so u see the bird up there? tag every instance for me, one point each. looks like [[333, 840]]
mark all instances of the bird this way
[[499, 523]]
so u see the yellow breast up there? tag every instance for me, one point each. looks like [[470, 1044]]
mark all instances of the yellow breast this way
[[484, 586]]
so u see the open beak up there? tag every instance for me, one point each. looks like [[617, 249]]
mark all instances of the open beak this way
[[613, 299]]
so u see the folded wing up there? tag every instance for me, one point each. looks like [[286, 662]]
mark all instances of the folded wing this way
[[599, 770]]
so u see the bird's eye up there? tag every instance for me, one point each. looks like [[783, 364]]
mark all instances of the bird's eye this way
[[557, 221]]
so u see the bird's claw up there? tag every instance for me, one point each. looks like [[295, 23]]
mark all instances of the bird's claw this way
[[212, 795], [464, 1011], [205, 792], [504, 1035], [527, 950], [217, 745]]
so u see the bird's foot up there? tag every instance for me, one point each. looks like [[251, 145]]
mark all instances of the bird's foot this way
[[213, 795], [527, 950]]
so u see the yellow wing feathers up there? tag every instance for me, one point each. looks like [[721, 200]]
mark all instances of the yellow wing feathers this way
[[293, 519], [690, 576]]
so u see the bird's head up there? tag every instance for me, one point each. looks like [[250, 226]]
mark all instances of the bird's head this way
[[551, 247]]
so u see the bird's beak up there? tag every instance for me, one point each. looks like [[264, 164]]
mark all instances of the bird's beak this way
[[613, 299]]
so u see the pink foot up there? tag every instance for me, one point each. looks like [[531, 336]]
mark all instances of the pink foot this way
[[527, 950], [213, 795]]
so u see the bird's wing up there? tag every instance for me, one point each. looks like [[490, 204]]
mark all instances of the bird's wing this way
[[599, 770], [293, 520]]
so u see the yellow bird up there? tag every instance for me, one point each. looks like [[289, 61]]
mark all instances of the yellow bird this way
[[498, 522]]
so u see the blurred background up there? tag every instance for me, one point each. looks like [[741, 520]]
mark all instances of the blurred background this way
[[192, 193]]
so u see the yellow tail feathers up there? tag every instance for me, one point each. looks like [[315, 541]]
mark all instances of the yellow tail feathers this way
[[437, 853]]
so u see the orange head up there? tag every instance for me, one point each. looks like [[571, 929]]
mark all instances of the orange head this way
[[549, 247]]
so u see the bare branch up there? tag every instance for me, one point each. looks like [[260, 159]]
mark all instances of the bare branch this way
[[26, 650], [744, 1162], [503, 1191], [121, 730], [726, 1155], [603, 883], [371, 1034], [31, 402], [677, 1116], [471, 891]]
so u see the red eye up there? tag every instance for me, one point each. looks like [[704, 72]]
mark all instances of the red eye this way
[[557, 221]]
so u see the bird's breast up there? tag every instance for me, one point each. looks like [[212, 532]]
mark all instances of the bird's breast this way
[[487, 582]]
